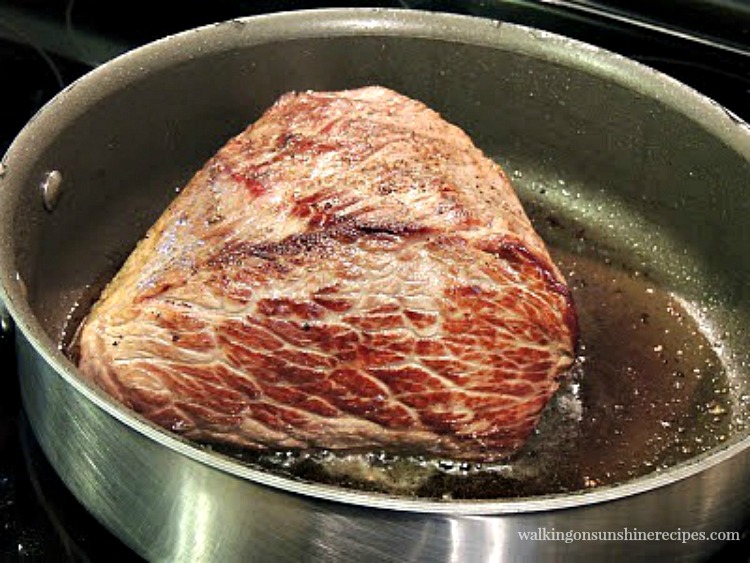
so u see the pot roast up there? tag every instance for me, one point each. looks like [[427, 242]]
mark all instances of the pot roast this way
[[348, 273]]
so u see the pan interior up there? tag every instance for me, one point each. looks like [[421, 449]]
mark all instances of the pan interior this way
[[653, 385], [639, 195]]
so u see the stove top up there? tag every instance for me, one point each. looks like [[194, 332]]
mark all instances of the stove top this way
[[45, 45]]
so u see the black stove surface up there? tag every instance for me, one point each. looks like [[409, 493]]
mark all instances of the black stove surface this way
[[45, 45]]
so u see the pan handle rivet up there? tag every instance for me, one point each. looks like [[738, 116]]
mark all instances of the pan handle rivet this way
[[51, 188], [6, 321]]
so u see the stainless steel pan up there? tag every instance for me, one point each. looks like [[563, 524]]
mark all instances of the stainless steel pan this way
[[656, 173]]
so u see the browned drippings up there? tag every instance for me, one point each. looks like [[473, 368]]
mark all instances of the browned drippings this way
[[653, 390], [647, 392]]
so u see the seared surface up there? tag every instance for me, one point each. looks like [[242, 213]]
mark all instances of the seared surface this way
[[350, 272]]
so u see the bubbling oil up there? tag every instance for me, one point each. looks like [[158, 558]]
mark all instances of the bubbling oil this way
[[646, 392]]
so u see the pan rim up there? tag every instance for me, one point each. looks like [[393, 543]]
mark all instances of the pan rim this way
[[374, 22]]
